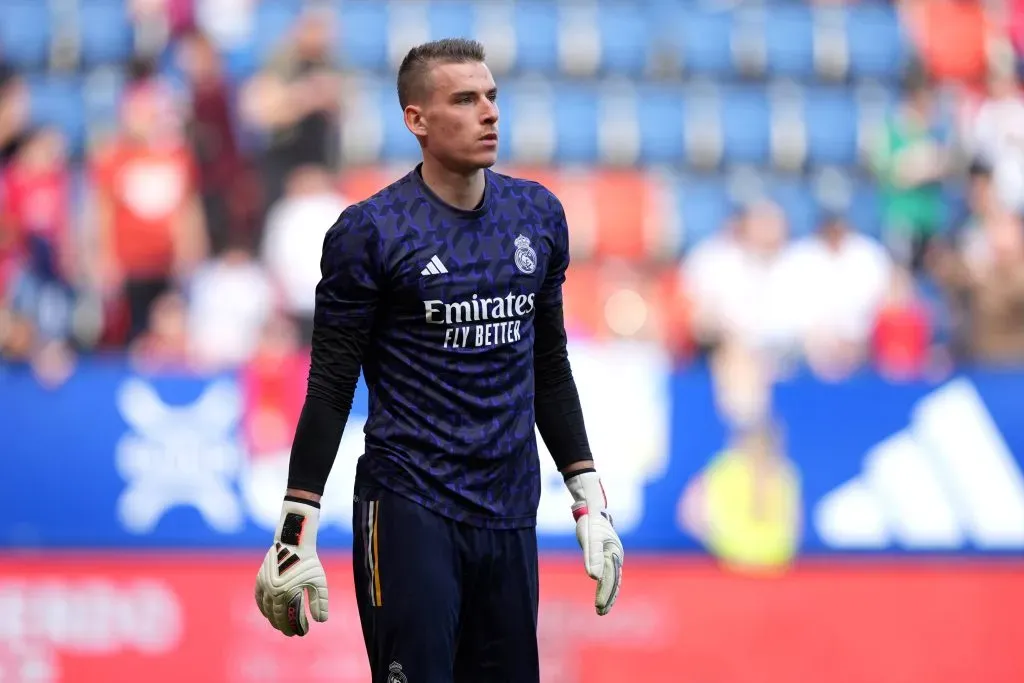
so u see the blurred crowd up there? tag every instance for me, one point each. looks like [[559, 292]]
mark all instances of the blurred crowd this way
[[195, 240]]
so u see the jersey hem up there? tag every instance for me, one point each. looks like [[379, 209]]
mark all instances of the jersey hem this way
[[471, 519]]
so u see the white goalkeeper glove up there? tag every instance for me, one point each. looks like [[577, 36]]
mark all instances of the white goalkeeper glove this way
[[292, 573], [602, 549]]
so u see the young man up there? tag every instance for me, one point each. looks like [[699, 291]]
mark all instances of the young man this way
[[445, 288]]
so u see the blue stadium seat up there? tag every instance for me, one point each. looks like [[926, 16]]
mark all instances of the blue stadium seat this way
[[877, 46], [865, 210], [576, 123], [363, 34], [625, 38], [706, 42], [536, 28], [660, 113], [398, 144], [106, 32], [789, 41], [704, 205], [58, 101], [451, 19], [25, 33], [746, 125], [796, 198], [831, 122]]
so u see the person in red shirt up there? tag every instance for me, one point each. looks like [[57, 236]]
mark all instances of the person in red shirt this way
[[150, 223], [902, 335]]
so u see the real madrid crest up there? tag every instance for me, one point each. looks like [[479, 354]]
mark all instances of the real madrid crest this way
[[395, 674], [525, 257]]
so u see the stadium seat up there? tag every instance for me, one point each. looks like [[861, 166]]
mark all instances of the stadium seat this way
[[706, 42], [865, 211], [576, 123], [57, 101], [25, 33], [397, 143], [105, 31], [831, 123], [789, 41], [877, 46], [746, 125], [661, 114], [703, 205], [796, 198], [536, 28], [362, 34], [625, 37], [451, 19]]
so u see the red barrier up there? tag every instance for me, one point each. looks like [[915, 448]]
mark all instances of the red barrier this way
[[164, 620]]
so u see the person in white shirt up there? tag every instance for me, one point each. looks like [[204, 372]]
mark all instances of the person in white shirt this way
[[731, 280], [996, 135], [230, 300], [294, 239], [834, 283]]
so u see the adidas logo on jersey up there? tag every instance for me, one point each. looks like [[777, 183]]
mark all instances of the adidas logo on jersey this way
[[946, 481], [434, 267]]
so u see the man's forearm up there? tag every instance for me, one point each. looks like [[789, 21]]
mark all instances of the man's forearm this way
[[560, 422], [334, 371]]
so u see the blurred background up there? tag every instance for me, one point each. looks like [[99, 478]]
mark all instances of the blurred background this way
[[796, 309]]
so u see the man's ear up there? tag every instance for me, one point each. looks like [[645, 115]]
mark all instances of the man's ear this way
[[414, 120]]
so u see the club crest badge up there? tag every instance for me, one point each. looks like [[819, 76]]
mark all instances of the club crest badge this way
[[395, 674], [525, 257]]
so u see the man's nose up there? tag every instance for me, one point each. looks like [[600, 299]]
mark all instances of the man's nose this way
[[490, 113]]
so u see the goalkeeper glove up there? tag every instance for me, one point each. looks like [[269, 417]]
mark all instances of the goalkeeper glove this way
[[602, 549], [292, 572]]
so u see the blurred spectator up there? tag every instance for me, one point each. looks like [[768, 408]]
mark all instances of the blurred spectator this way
[[230, 300], [149, 220], [744, 506], [157, 22], [911, 164], [986, 290], [834, 282], [953, 37], [274, 383], [38, 236], [164, 344], [984, 206], [294, 239], [296, 102], [733, 280], [227, 193], [228, 23], [901, 337], [14, 109], [995, 136]]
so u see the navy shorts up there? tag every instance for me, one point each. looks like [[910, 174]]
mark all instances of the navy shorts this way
[[441, 601]]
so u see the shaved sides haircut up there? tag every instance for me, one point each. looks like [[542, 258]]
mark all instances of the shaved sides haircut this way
[[414, 74]]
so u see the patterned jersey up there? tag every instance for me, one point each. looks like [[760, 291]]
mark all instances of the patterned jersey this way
[[450, 298]]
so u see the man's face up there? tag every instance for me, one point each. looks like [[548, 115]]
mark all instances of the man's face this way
[[459, 116]]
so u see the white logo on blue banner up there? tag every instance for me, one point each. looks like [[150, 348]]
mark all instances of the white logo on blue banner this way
[[947, 480]]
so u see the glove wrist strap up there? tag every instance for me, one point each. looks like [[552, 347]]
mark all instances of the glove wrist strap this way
[[298, 523]]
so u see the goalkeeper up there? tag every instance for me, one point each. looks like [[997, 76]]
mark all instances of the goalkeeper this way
[[445, 289]]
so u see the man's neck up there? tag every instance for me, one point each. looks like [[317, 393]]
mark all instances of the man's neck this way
[[456, 189]]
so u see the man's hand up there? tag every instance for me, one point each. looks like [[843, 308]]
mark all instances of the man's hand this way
[[602, 549], [291, 571]]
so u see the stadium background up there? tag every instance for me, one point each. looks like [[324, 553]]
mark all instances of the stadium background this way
[[811, 436]]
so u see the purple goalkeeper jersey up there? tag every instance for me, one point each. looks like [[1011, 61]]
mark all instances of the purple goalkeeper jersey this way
[[450, 298]]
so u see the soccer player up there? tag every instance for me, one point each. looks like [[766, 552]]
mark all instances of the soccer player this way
[[445, 288]]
